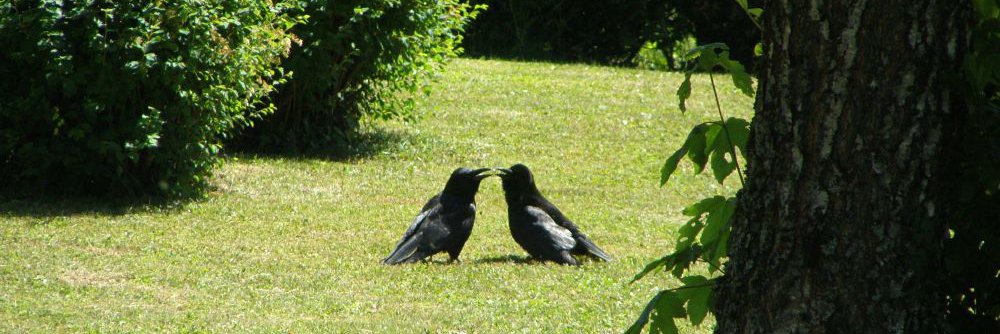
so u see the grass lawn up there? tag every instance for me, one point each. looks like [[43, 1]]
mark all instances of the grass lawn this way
[[292, 244]]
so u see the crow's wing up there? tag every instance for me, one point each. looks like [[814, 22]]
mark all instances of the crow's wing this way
[[557, 215], [591, 248], [412, 238], [582, 240], [406, 250], [559, 236], [432, 207], [432, 202]]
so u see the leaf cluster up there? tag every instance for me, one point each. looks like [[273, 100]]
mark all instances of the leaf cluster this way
[[708, 58], [710, 143], [692, 301]]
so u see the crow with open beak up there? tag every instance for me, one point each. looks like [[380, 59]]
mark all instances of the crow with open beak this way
[[538, 226], [444, 223]]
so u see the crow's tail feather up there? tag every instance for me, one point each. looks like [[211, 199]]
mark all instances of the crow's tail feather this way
[[404, 252], [593, 250]]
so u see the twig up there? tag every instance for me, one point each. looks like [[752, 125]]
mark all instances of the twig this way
[[713, 266], [722, 119]]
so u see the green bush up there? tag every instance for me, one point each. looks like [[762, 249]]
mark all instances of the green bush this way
[[130, 97], [355, 59], [652, 57]]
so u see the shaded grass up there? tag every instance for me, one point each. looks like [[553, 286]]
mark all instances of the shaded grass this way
[[292, 244], [353, 146]]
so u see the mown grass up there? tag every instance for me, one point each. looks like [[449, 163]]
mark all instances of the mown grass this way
[[291, 244]]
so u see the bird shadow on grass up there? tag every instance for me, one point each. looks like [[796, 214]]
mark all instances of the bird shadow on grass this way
[[514, 259]]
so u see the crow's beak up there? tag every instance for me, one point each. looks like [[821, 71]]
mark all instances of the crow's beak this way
[[479, 173], [501, 172]]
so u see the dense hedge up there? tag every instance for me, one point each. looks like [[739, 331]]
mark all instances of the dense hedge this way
[[605, 31], [357, 58], [128, 96]]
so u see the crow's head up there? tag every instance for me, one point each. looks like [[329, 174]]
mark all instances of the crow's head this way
[[465, 182], [517, 180]]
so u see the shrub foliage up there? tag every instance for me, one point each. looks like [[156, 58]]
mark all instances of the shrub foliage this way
[[129, 97], [355, 59]]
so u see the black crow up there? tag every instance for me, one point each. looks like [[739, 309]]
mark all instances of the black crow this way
[[538, 226], [444, 223]]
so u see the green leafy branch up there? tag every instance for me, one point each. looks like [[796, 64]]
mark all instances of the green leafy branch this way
[[667, 305], [705, 236]]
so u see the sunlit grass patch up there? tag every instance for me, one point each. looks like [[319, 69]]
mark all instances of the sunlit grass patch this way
[[292, 244]]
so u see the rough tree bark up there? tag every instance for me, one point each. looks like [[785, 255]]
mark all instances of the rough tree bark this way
[[839, 227]]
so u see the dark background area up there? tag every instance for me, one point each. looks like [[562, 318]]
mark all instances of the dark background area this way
[[606, 32]]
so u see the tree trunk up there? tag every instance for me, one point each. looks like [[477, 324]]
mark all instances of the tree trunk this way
[[839, 227]]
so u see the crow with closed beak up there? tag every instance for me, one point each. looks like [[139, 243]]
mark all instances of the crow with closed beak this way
[[444, 223], [538, 226]]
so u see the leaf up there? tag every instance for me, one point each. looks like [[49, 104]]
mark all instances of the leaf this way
[[694, 138], [717, 220], [740, 77], [683, 259], [671, 304], [714, 129], [668, 307], [664, 326], [670, 165], [708, 60], [666, 261], [755, 12], [698, 304], [742, 3], [718, 145], [739, 133], [696, 147], [721, 168], [684, 91], [689, 282], [688, 233], [696, 291], [696, 52], [637, 326], [703, 206], [758, 49], [722, 248]]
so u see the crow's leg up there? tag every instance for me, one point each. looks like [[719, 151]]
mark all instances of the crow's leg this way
[[453, 256], [566, 258]]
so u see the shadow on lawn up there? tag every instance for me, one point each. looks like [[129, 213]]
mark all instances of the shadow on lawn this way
[[514, 259], [362, 144], [47, 207]]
